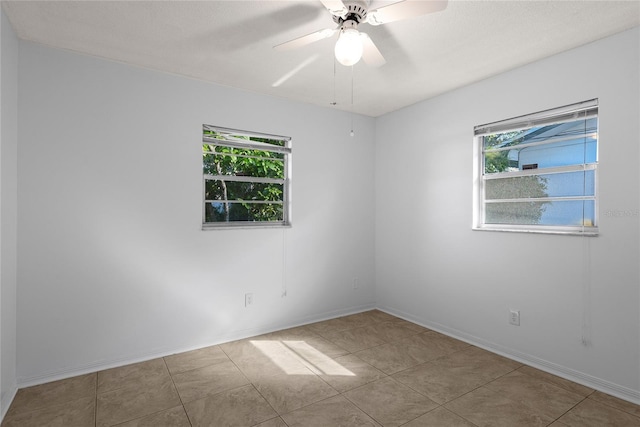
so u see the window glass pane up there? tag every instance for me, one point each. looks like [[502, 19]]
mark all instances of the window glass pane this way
[[208, 163], [525, 213], [230, 135], [539, 170], [569, 212], [562, 144], [245, 177], [562, 212], [240, 211], [233, 161], [278, 142], [232, 190], [581, 183], [565, 184], [533, 186], [562, 153], [242, 151]]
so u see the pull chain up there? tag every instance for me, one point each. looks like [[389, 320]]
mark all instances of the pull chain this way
[[351, 133], [334, 103]]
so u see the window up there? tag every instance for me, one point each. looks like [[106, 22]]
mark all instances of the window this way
[[245, 178], [538, 173]]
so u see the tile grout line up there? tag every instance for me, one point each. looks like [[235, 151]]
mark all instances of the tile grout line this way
[[177, 392], [523, 373], [458, 397], [386, 375], [573, 407], [554, 385], [363, 411], [341, 394], [611, 404], [95, 410], [278, 415], [590, 395], [252, 385]]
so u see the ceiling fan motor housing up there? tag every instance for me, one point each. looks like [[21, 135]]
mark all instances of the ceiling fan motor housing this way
[[356, 13]]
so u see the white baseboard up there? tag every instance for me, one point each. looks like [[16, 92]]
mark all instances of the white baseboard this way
[[587, 380], [7, 399], [101, 365], [552, 368]]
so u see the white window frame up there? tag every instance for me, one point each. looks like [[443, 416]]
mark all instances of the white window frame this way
[[573, 112], [228, 137]]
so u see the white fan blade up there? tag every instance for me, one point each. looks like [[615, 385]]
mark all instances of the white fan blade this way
[[305, 40], [370, 53], [335, 7], [405, 9]]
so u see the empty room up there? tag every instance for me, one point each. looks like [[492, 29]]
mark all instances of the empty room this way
[[320, 213]]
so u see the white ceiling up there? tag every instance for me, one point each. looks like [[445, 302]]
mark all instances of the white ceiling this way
[[230, 43]]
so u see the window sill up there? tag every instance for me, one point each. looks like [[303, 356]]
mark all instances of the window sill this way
[[568, 231], [226, 226]]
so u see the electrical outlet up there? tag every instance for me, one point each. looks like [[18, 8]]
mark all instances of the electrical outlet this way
[[514, 317], [356, 283], [248, 299]]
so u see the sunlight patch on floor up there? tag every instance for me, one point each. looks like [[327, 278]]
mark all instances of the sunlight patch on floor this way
[[300, 358]]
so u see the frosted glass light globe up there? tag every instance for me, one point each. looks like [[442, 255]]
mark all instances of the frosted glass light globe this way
[[349, 47]]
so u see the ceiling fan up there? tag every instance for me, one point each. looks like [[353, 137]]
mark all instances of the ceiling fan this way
[[353, 44]]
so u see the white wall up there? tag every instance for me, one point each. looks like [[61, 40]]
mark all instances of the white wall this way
[[113, 266], [112, 263], [433, 269], [8, 210]]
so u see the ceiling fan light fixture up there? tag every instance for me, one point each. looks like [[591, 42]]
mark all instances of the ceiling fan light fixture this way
[[348, 48]]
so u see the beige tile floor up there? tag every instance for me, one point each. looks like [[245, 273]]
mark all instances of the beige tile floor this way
[[367, 369]]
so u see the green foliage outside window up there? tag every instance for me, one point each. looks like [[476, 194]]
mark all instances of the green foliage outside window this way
[[234, 199]]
